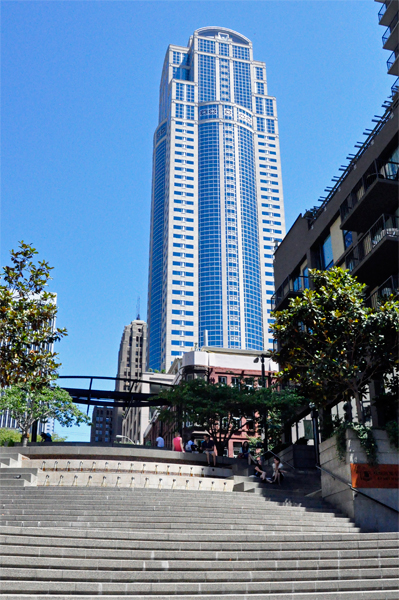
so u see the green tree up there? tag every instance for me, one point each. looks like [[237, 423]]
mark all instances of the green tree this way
[[27, 405], [58, 438], [27, 316], [331, 345], [222, 411], [9, 435]]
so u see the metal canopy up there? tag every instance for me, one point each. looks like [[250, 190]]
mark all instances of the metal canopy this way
[[112, 398]]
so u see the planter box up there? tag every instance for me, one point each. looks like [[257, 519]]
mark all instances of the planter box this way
[[379, 482]]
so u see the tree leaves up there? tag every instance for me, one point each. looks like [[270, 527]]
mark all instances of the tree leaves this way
[[27, 317], [223, 410], [27, 404], [331, 343]]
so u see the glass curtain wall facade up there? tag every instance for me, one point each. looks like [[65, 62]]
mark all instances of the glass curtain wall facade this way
[[217, 200]]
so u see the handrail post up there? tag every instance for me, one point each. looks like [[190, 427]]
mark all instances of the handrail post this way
[[315, 422]]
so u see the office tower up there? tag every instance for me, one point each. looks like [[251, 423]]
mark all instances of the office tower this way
[[131, 365], [217, 204]]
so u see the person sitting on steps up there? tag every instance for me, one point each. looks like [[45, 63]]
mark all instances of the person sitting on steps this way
[[208, 447], [278, 473]]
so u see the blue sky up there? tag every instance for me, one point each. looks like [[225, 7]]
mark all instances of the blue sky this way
[[80, 85]]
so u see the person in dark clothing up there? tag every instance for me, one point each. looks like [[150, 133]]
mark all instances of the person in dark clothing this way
[[208, 447]]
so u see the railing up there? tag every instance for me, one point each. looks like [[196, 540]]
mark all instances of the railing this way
[[385, 226], [393, 57], [290, 285], [377, 170], [317, 211], [395, 87], [383, 9], [389, 29], [356, 490], [389, 287]]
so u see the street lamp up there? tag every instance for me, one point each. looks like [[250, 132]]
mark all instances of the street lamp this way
[[124, 437], [262, 360]]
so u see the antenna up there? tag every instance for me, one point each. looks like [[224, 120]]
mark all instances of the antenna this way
[[138, 308]]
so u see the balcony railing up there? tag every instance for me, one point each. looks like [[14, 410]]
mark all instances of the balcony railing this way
[[395, 87], [383, 9], [393, 57], [386, 226], [390, 29], [389, 287], [289, 286], [378, 170]]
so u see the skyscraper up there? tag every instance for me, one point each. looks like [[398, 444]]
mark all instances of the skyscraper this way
[[217, 203]]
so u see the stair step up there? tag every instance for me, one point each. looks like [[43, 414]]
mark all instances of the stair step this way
[[309, 595], [220, 587]]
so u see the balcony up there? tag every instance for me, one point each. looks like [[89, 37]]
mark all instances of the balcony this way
[[390, 37], [377, 192], [393, 62], [375, 257], [387, 12], [290, 288], [389, 287], [395, 87]]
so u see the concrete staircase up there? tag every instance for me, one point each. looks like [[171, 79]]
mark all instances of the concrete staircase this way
[[81, 542], [13, 471]]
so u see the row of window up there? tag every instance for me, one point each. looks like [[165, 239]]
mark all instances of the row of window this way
[[209, 46]]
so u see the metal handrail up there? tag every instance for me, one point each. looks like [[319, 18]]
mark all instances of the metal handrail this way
[[356, 489]]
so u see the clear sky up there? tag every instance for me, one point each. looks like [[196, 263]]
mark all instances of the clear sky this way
[[80, 85]]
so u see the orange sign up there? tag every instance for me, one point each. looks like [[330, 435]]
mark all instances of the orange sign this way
[[381, 476]]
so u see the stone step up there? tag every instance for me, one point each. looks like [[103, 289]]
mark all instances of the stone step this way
[[218, 498], [191, 577], [100, 555], [276, 542], [345, 539], [9, 462], [221, 587], [343, 595], [16, 481], [188, 526], [144, 515], [282, 566]]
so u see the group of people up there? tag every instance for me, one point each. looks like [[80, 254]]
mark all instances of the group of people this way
[[277, 474], [207, 446]]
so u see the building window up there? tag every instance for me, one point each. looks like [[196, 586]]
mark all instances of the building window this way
[[180, 91], [180, 111], [347, 238], [222, 379], [206, 46], [190, 93], [240, 52], [269, 107], [260, 124], [270, 126], [190, 112], [176, 58], [223, 49], [258, 72], [326, 259], [259, 106]]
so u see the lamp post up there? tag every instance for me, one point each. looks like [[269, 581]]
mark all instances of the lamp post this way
[[262, 366], [263, 380], [124, 437]]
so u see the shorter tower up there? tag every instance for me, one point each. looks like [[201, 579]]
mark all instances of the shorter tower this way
[[131, 364]]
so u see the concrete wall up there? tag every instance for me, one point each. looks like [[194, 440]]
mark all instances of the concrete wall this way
[[366, 513]]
